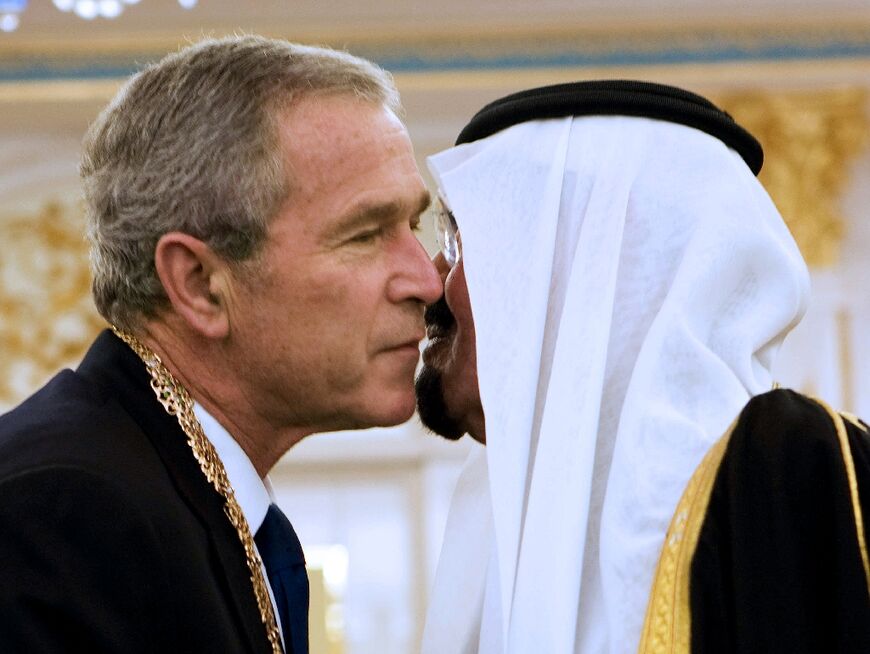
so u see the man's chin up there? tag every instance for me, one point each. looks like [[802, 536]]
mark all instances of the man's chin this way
[[431, 406], [392, 413]]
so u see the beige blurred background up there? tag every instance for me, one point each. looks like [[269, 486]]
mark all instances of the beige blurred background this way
[[370, 506]]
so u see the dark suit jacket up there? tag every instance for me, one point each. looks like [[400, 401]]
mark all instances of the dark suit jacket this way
[[111, 539]]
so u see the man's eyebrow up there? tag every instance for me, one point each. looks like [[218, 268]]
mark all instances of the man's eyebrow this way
[[367, 212]]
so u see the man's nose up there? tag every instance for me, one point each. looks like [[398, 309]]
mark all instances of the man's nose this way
[[441, 265], [433, 282], [418, 277]]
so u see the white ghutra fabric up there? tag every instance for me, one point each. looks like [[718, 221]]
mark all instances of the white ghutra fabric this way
[[630, 282]]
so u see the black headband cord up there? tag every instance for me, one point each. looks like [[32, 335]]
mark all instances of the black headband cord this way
[[615, 97]]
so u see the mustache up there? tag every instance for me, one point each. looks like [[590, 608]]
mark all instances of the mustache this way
[[439, 319]]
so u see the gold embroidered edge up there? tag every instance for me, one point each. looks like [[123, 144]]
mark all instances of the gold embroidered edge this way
[[667, 625], [177, 402], [849, 463]]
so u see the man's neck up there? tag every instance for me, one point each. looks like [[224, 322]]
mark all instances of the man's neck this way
[[199, 366]]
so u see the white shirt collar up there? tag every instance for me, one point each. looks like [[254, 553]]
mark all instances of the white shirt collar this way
[[253, 494]]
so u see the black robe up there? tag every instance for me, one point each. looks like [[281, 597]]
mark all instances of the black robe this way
[[767, 550]]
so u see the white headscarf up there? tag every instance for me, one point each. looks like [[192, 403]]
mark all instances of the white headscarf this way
[[630, 283]]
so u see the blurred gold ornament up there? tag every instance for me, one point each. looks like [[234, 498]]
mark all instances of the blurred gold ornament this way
[[809, 140], [47, 318]]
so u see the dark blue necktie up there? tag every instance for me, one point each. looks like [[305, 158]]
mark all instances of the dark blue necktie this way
[[285, 565]]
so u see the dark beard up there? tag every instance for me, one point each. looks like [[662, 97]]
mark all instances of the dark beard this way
[[429, 385], [431, 405]]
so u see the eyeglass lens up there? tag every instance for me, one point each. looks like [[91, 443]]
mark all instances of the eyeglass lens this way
[[446, 233]]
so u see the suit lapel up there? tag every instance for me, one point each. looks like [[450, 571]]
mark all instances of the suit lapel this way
[[113, 366]]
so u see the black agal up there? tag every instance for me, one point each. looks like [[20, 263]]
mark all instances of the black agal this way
[[615, 97]]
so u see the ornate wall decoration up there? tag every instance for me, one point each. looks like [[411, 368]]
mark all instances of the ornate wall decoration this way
[[809, 140], [47, 319], [456, 40]]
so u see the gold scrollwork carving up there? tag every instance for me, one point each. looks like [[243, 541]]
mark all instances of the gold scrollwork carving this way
[[47, 318], [809, 140]]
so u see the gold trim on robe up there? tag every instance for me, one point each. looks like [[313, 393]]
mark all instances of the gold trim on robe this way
[[667, 626], [849, 462], [668, 622]]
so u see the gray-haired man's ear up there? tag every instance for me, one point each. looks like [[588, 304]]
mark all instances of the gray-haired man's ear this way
[[195, 281]]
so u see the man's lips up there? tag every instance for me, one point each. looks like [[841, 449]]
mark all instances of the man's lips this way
[[410, 344]]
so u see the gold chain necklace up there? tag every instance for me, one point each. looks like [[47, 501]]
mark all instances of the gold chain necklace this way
[[177, 402]]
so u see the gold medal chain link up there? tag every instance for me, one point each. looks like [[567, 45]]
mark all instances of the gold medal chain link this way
[[177, 402]]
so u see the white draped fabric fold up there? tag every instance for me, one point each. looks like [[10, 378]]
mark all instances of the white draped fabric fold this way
[[630, 282]]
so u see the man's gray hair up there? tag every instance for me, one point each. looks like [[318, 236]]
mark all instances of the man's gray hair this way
[[190, 144]]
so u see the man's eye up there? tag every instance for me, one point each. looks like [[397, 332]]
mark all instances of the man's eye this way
[[366, 237]]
